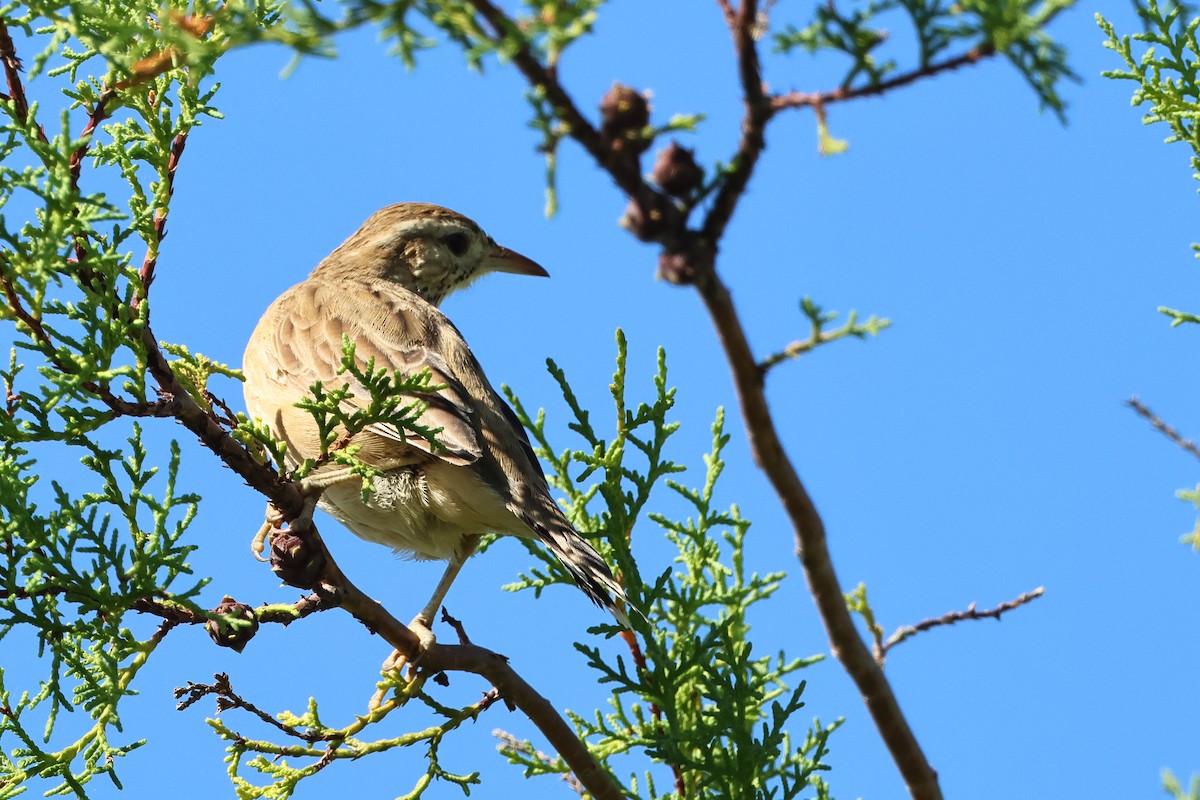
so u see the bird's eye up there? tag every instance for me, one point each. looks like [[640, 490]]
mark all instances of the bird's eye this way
[[457, 243]]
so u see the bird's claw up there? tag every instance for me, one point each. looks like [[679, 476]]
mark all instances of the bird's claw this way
[[273, 522], [425, 640], [395, 663]]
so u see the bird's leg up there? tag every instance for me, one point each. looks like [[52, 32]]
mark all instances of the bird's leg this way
[[422, 623]]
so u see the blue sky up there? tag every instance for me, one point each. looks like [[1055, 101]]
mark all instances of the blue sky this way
[[977, 449]]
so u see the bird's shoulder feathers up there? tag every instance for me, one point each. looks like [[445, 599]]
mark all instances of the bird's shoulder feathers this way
[[396, 329]]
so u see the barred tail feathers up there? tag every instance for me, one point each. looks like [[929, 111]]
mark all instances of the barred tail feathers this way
[[587, 568]]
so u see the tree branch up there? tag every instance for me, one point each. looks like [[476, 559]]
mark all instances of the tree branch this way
[[12, 77], [227, 698], [624, 171], [335, 584], [513, 688], [690, 257], [812, 547], [909, 631], [146, 273], [1162, 427], [757, 113], [98, 114], [820, 99], [768, 451]]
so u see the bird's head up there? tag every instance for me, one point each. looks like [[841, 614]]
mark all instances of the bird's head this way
[[427, 249]]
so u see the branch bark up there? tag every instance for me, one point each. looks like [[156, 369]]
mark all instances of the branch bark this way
[[757, 113], [812, 547]]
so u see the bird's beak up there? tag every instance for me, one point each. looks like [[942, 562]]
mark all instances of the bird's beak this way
[[504, 260]]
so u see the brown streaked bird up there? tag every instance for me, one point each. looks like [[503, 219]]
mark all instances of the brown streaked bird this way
[[381, 288]]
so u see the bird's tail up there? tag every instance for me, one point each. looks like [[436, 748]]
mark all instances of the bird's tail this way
[[587, 568]]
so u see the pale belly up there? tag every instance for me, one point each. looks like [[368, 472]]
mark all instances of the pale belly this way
[[421, 513]]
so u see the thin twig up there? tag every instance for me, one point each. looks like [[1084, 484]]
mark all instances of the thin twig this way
[[146, 273], [1162, 427], [18, 309], [757, 112], [909, 631], [780, 102], [12, 76], [12, 398], [99, 113], [229, 418], [276, 613], [730, 13], [625, 172], [453, 622], [821, 337], [227, 699]]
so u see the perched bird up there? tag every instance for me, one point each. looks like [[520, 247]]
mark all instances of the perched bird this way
[[381, 288]]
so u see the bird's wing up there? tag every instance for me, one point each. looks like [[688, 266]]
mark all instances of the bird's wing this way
[[308, 337], [535, 467], [446, 409]]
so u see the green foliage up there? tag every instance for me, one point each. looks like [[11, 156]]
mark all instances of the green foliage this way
[[71, 576], [692, 696], [393, 399], [195, 370], [858, 603], [82, 554], [1166, 76], [321, 745], [819, 333], [1173, 787], [1015, 28], [1191, 496]]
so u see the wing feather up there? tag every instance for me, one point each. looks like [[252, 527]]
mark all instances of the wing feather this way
[[307, 329]]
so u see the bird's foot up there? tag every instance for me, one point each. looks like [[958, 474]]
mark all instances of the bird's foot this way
[[395, 663], [262, 540], [274, 519], [425, 640], [420, 626]]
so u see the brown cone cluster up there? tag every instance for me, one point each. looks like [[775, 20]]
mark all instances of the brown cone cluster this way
[[624, 115], [676, 171], [235, 637], [294, 562]]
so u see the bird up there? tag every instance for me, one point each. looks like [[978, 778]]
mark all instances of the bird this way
[[381, 289]]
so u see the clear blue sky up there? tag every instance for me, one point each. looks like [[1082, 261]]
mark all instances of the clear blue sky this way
[[976, 450]]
